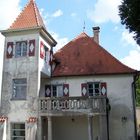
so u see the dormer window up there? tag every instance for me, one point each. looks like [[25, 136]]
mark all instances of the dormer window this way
[[21, 49]]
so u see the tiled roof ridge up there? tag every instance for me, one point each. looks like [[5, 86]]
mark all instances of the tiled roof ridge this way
[[80, 35], [20, 13], [35, 10], [71, 42], [37, 14], [36, 17]]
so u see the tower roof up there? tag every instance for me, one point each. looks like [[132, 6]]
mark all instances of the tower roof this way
[[83, 56], [28, 18]]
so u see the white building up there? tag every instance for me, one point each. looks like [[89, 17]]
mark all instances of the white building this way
[[81, 92]]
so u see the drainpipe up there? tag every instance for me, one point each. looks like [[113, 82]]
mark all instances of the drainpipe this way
[[134, 103], [108, 108]]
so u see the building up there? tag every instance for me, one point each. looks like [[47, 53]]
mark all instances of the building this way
[[80, 92]]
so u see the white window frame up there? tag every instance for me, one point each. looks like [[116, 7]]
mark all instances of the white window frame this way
[[47, 54], [18, 130], [21, 46], [59, 90], [16, 86], [94, 92]]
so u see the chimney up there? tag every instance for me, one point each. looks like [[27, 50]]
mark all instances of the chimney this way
[[96, 31]]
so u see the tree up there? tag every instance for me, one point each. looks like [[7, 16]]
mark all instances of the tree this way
[[129, 12], [138, 92]]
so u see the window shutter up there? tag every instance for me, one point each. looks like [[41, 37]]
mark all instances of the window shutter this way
[[84, 89], [103, 89], [66, 90], [31, 47], [48, 91], [42, 51], [9, 51]]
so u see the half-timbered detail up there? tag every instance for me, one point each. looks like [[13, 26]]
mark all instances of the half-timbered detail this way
[[84, 90], [48, 91], [31, 47], [9, 52], [42, 50], [103, 89]]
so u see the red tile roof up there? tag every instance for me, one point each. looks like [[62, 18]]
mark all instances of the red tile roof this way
[[28, 18], [82, 56]]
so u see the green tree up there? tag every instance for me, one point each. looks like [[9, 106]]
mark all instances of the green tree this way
[[138, 92], [129, 12]]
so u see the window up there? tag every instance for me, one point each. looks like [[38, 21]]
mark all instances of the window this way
[[47, 54], [17, 131], [57, 90], [19, 89], [21, 49], [93, 88]]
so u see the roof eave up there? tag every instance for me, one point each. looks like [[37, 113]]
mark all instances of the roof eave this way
[[47, 35], [98, 74], [40, 29], [7, 31]]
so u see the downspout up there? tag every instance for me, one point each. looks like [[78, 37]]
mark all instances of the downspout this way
[[108, 108], [134, 103]]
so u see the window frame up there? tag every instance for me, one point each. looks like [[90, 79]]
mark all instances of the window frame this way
[[56, 90], [21, 52], [46, 54], [94, 93], [15, 87], [12, 130]]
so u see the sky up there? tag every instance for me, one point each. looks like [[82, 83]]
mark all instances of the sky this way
[[65, 19]]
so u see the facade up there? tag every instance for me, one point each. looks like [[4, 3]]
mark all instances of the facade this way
[[80, 92]]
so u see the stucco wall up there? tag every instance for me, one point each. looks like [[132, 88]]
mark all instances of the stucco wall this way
[[119, 92], [71, 128], [44, 66], [22, 67]]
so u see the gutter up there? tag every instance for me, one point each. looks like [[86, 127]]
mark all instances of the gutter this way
[[134, 102]]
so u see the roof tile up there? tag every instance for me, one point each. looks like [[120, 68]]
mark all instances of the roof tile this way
[[83, 56], [28, 18]]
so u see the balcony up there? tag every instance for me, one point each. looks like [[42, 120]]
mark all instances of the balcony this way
[[60, 106]]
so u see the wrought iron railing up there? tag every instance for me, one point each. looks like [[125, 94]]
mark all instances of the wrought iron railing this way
[[95, 104]]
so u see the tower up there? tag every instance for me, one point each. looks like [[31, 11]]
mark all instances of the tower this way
[[27, 55]]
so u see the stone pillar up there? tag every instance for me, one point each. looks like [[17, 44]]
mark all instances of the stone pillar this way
[[103, 127], [39, 128], [90, 127], [49, 128]]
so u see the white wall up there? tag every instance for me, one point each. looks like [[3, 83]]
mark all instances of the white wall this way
[[119, 92], [21, 67], [44, 66]]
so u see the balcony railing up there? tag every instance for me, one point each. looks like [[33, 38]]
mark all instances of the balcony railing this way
[[80, 104]]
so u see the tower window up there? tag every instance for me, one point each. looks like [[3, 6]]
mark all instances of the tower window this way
[[18, 131], [19, 89], [21, 49]]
